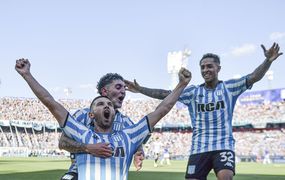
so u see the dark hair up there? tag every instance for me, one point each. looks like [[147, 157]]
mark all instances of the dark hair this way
[[95, 100], [211, 55], [108, 79]]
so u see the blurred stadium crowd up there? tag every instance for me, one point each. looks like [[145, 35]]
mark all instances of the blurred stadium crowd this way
[[28, 129]]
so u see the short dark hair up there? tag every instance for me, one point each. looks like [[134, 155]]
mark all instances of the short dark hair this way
[[107, 79], [96, 99], [211, 55]]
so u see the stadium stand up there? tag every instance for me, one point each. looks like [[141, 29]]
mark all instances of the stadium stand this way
[[28, 129]]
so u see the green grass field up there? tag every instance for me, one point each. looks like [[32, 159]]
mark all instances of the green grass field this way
[[52, 169]]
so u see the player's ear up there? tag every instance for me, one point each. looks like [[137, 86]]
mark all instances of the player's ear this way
[[91, 115], [104, 91], [219, 68]]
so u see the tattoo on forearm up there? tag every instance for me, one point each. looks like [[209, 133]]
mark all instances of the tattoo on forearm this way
[[155, 93], [70, 145]]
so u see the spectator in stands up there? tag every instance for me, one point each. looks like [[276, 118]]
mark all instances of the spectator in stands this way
[[211, 107]]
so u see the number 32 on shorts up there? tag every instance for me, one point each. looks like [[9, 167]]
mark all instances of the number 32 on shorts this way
[[227, 156]]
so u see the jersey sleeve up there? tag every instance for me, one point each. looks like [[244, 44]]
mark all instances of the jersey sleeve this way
[[138, 132], [81, 115], [237, 86]]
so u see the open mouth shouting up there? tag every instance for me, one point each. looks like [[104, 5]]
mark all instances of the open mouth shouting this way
[[121, 98]]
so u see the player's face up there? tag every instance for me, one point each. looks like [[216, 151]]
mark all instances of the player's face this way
[[116, 91], [209, 70], [104, 112]]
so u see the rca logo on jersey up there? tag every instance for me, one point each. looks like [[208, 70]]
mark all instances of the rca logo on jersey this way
[[211, 106]]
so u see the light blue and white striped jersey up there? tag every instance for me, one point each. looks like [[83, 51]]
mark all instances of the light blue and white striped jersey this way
[[124, 144], [81, 115], [211, 113]]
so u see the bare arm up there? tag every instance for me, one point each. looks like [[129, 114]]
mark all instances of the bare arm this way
[[98, 149], [165, 106], [59, 112], [270, 55], [70, 145], [154, 93]]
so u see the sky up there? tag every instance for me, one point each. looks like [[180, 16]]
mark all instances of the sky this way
[[72, 43]]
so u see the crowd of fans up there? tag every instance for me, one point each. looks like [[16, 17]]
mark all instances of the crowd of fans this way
[[36, 143], [39, 143], [248, 144], [33, 110], [258, 114]]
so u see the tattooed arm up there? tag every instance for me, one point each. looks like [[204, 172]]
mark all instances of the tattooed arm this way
[[98, 149], [70, 145], [154, 93]]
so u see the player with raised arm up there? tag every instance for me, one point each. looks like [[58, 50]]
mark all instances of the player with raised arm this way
[[111, 85], [123, 143], [211, 107]]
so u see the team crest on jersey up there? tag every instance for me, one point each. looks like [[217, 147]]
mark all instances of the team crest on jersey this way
[[220, 92]]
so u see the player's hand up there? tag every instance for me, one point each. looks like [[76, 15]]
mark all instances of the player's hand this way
[[22, 66], [99, 150], [132, 86], [138, 159], [184, 76], [272, 53]]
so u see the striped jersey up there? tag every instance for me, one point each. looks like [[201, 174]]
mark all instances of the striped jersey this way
[[81, 115], [211, 113], [124, 144]]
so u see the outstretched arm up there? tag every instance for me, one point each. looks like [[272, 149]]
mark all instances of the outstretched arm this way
[[165, 106], [60, 113], [270, 55], [154, 93]]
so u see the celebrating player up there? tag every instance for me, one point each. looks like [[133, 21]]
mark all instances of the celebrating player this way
[[123, 143], [211, 107], [111, 85]]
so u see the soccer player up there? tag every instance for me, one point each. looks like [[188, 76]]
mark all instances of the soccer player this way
[[211, 107], [165, 156], [157, 151], [111, 85], [123, 143]]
